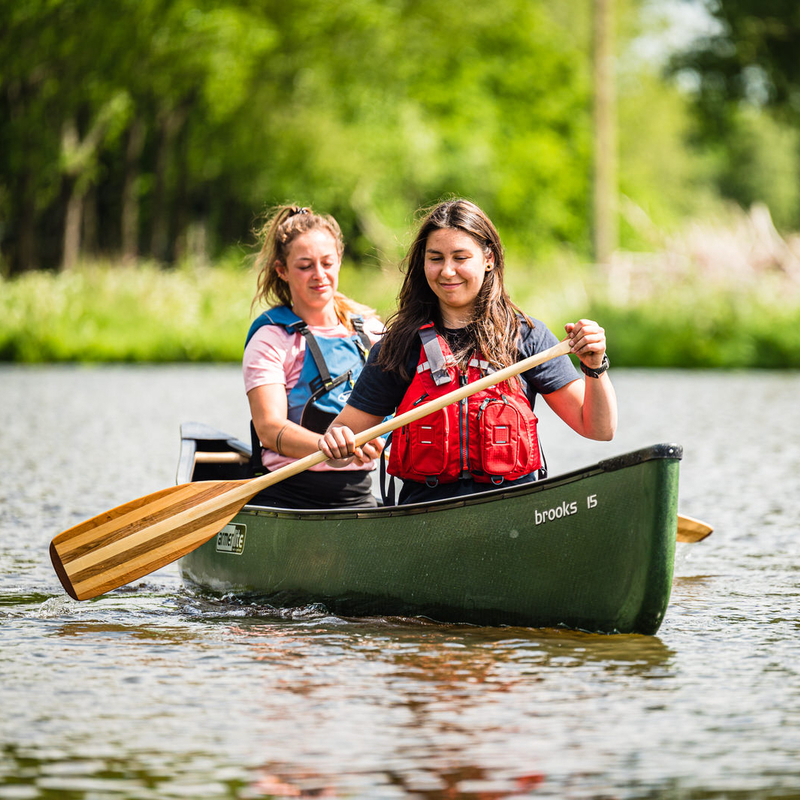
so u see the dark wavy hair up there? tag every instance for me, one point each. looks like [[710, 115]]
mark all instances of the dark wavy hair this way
[[282, 225], [494, 329]]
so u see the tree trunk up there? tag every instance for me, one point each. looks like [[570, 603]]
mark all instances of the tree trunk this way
[[170, 124], [605, 157], [90, 237], [129, 222], [25, 257], [181, 217], [79, 156], [71, 249]]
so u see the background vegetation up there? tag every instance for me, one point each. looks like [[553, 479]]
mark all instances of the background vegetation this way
[[140, 140]]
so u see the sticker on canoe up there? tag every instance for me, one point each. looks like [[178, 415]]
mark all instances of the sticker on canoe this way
[[231, 539], [564, 510]]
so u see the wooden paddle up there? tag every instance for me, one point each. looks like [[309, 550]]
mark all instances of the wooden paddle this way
[[692, 530], [139, 537]]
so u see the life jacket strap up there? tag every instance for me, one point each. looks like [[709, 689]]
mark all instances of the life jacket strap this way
[[485, 367], [358, 327], [256, 465], [316, 353], [434, 355]]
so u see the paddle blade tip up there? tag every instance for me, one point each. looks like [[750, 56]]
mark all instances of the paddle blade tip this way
[[692, 530], [58, 566]]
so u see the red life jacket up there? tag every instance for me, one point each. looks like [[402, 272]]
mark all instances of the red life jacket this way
[[489, 436]]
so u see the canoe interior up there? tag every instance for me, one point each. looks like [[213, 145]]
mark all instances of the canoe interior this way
[[592, 549]]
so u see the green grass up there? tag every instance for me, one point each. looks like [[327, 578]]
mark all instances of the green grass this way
[[109, 313]]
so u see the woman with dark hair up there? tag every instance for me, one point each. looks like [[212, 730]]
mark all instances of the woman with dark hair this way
[[455, 323], [302, 357]]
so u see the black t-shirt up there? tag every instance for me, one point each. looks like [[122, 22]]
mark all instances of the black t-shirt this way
[[379, 392]]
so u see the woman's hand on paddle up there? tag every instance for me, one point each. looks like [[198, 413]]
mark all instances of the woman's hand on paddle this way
[[370, 451], [588, 341], [339, 445]]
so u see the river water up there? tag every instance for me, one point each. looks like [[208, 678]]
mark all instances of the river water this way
[[150, 692]]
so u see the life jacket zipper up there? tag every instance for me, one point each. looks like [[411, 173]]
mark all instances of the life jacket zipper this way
[[404, 429]]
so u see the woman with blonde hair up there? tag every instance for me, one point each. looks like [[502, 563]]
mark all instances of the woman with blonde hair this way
[[302, 357]]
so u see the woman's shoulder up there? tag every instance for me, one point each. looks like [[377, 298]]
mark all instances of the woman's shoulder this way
[[274, 335], [374, 327], [412, 357], [534, 335], [272, 343]]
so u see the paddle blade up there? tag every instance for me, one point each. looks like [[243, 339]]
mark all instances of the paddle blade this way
[[692, 530], [139, 537]]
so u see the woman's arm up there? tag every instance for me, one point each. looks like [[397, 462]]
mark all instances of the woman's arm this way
[[339, 442], [269, 411], [589, 407]]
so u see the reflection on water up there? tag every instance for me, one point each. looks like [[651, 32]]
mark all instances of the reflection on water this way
[[151, 692]]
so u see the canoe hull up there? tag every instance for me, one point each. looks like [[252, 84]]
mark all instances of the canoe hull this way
[[591, 550]]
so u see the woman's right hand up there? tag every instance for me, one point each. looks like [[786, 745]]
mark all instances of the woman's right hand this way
[[339, 445], [339, 441]]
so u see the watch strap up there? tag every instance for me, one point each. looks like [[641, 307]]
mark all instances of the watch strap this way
[[596, 373]]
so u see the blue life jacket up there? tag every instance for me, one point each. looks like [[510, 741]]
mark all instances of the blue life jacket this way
[[327, 376]]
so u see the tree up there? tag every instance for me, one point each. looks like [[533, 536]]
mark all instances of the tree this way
[[159, 118], [605, 127], [748, 100], [752, 56]]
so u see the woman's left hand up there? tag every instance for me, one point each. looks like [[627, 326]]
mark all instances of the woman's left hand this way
[[369, 452], [588, 341], [339, 446]]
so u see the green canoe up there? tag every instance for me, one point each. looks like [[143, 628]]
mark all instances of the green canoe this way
[[592, 549]]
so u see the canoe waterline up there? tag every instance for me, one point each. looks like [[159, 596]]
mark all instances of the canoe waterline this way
[[592, 550]]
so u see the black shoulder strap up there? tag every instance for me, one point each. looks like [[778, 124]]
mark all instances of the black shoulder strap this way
[[358, 327], [387, 487], [256, 465], [316, 354]]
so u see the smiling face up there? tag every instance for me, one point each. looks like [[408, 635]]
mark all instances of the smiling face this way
[[455, 266], [312, 273]]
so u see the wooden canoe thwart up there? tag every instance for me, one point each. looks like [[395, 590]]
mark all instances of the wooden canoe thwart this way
[[592, 549]]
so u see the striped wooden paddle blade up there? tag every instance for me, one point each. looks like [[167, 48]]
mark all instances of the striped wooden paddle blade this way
[[139, 537]]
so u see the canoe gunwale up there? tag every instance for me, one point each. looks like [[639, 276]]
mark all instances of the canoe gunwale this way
[[654, 452]]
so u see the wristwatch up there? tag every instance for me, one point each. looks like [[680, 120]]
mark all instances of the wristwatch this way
[[596, 373]]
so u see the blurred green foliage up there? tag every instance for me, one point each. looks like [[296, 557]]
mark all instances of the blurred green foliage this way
[[181, 115], [105, 313], [745, 76], [156, 131], [161, 129]]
